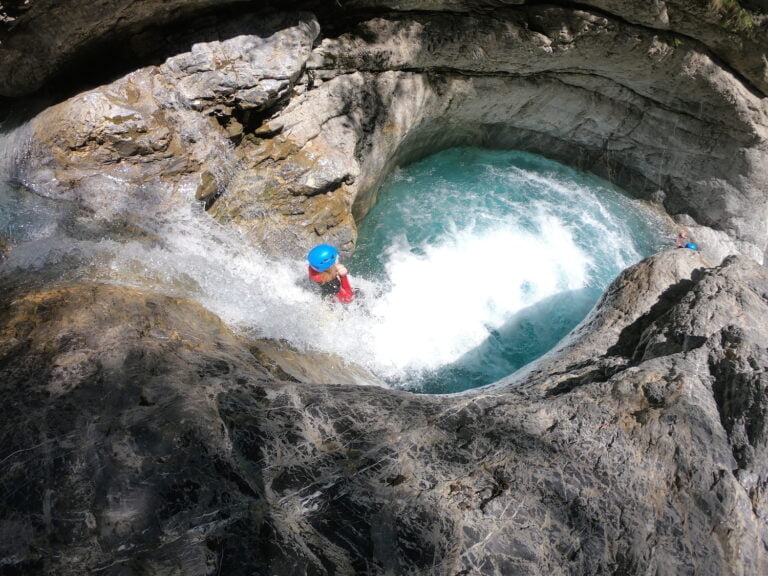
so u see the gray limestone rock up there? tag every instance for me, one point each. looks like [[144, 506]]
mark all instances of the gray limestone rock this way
[[299, 156], [40, 36], [142, 435], [542, 80]]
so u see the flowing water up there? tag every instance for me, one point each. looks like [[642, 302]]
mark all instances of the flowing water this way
[[488, 259], [473, 263]]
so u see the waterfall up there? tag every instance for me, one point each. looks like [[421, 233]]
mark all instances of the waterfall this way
[[473, 263]]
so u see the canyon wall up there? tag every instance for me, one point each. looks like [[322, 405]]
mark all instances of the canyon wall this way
[[142, 435], [287, 131]]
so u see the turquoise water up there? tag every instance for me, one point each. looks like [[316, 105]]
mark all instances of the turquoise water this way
[[485, 259], [473, 263]]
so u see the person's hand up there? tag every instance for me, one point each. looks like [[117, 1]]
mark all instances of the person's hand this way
[[341, 270]]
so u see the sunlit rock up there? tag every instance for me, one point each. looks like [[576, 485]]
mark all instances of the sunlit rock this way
[[142, 435], [299, 142], [161, 127]]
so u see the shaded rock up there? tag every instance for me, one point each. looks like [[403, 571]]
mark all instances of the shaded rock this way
[[285, 363], [140, 431], [45, 36]]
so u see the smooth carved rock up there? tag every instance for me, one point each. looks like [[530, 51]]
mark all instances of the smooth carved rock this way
[[740, 42], [654, 114], [542, 80], [160, 128], [44, 36], [714, 27], [142, 435]]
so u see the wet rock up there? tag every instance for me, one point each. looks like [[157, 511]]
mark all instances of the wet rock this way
[[138, 430], [208, 188], [160, 128], [300, 141]]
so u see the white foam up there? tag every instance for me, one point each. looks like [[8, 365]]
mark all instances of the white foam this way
[[437, 303], [441, 304]]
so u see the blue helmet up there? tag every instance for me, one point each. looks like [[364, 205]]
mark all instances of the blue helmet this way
[[322, 257], [691, 246]]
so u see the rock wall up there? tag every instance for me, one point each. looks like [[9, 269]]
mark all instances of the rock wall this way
[[651, 114], [141, 435], [40, 37], [288, 134]]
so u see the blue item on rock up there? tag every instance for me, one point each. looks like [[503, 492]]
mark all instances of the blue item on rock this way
[[691, 246]]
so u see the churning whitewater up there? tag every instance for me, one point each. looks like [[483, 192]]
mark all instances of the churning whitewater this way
[[473, 263]]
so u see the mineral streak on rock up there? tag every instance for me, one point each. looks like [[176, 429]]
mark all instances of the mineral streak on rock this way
[[141, 435]]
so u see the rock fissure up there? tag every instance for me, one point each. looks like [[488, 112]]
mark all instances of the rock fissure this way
[[446, 72]]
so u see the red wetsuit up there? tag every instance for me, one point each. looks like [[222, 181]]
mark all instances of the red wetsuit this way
[[339, 286]]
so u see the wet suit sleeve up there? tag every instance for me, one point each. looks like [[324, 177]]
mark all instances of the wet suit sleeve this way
[[329, 288], [345, 293]]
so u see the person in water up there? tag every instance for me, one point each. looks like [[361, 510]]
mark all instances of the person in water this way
[[330, 276]]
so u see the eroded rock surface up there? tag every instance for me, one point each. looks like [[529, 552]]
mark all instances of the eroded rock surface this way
[[164, 127], [40, 36], [541, 79], [140, 435], [287, 131], [143, 436]]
